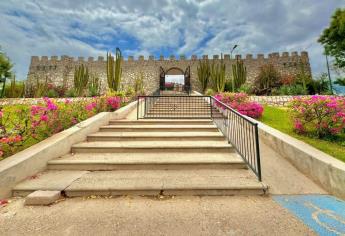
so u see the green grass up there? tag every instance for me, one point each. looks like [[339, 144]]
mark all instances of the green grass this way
[[279, 119]]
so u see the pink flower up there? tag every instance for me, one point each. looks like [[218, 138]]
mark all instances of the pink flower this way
[[74, 121], [114, 102], [44, 118], [90, 106]]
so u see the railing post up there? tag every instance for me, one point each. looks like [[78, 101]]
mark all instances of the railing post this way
[[257, 151], [145, 108], [138, 107], [211, 107]]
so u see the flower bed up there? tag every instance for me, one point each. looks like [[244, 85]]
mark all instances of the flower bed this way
[[241, 103], [280, 118], [22, 125], [319, 115]]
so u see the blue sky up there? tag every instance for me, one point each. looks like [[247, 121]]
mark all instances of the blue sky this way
[[90, 28]]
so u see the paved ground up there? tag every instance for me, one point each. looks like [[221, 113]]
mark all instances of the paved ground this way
[[149, 216], [282, 177]]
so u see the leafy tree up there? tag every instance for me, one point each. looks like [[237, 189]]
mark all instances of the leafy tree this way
[[267, 79], [333, 38], [320, 85], [5, 66], [340, 81]]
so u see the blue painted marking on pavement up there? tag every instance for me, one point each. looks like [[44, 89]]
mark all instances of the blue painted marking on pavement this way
[[322, 213]]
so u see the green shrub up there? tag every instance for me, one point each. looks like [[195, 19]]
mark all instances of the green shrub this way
[[228, 85], [112, 93], [209, 92], [245, 88], [130, 91], [71, 93], [296, 89], [52, 93]]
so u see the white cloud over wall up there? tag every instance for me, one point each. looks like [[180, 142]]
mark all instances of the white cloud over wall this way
[[89, 28]]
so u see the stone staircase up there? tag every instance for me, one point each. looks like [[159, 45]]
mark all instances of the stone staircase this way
[[149, 157]]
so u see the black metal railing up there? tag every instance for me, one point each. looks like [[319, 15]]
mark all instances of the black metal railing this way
[[240, 131], [174, 107]]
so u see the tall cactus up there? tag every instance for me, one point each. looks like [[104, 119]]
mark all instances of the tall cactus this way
[[81, 79], [114, 70], [239, 74], [203, 74], [217, 73]]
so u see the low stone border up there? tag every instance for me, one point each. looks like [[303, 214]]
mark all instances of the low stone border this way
[[275, 100], [28, 162], [324, 169], [34, 101]]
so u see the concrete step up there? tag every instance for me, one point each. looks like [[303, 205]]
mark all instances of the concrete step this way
[[159, 128], [161, 122], [147, 161], [176, 116], [170, 105], [154, 136], [145, 182], [152, 146], [166, 182]]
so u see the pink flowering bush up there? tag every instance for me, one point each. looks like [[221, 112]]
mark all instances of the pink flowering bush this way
[[27, 125], [241, 103], [320, 115], [113, 103]]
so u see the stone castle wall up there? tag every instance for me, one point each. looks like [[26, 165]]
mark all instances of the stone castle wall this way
[[60, 71]]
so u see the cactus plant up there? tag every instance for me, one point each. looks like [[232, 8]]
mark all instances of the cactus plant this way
[[40, 88], [94, 86], [203, 74], [239, 75], [217, 73], [114, 70], [139, 84], [81, 79], [15, 90]]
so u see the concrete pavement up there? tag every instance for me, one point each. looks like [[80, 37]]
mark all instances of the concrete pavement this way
[[226, 215]]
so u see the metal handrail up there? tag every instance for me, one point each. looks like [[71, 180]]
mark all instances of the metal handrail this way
[[248, 148], [230, 122]]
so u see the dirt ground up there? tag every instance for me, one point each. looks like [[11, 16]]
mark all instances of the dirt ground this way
[[231, 215]]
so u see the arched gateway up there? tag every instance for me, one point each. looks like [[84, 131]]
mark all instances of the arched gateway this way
[[175, 79]]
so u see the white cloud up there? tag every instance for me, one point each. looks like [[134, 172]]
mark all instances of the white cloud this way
[[88, 28]]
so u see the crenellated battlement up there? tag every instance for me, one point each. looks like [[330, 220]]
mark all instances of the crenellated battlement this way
[[60, 70], [275, 55]]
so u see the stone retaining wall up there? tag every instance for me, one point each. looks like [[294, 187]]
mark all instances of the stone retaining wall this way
[[34, 101], [269, 100], [274, 100]]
